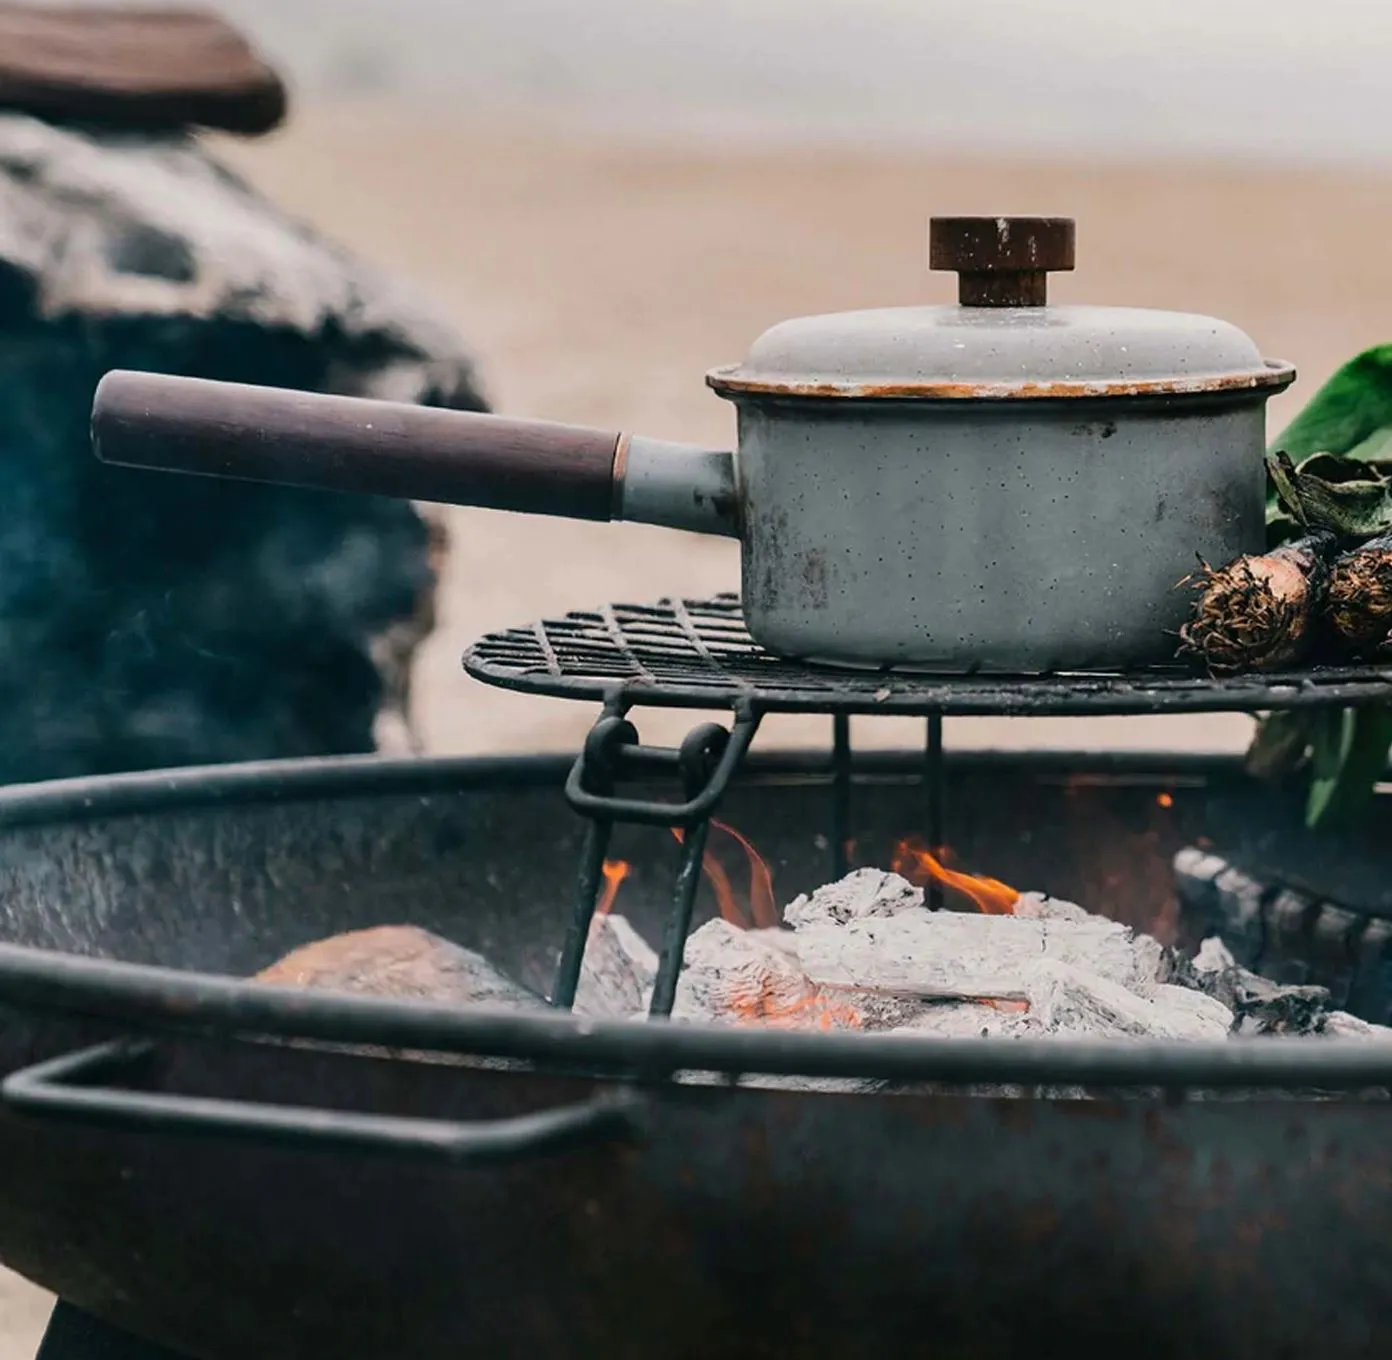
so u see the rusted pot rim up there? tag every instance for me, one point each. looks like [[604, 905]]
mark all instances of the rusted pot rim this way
[[733, 381]]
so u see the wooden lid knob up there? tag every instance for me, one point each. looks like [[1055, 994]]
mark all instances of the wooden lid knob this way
[[1001, 261]]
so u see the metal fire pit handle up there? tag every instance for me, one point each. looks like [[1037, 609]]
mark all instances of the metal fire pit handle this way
[[54, 1089], [707, 767]]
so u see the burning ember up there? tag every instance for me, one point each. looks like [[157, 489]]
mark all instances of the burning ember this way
[[785, 999], [763, 911], [615, 871], [911, 860], [868, 953], [915, 862]]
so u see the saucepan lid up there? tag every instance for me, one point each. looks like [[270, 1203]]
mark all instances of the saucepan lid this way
[[1003, 340]]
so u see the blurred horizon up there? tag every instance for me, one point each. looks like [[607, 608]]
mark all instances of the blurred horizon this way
[[1264, 80]]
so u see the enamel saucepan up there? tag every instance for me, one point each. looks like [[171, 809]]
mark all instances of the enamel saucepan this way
[[998, 485]]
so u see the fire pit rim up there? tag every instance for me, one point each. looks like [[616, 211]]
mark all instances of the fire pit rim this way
[[271, 781], [156, 999], [53, 989]]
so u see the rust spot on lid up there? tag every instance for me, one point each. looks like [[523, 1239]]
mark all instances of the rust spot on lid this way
[[732, 382]]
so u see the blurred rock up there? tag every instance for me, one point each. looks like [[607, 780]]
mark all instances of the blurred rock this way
[[148, 619]]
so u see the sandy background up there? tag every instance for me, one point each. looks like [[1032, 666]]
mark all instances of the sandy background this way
[[598, 281]]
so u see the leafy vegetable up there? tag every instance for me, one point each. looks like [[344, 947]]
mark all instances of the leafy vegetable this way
[[1348, 756], [1358, 598], [1349, 498], [1332, 468]]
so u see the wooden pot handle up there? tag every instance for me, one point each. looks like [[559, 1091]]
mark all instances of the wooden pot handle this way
[[381, 448]]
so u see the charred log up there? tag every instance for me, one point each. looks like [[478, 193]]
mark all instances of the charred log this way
[[406, 963], [399, 961], [618, 971], [1050, 969]]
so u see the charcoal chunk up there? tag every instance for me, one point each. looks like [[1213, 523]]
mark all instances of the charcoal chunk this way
[[1258, 1005]]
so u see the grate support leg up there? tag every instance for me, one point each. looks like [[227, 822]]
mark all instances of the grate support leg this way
[[669, 964], [840, 795], [933, 782], [587, 888]]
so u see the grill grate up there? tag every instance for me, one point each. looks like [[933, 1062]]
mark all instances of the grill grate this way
[[697, 654]]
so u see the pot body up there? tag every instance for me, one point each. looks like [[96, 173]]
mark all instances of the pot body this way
[[980, 535], [973, 525]]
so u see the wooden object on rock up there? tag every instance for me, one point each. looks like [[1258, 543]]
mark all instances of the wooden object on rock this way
[[149, 620], [153, 70]]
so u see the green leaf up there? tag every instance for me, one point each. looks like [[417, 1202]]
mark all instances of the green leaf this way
[[1353, 500], [1355, 405], [1348, 756], [1376, 449], [1337, 474], [1349, 418]]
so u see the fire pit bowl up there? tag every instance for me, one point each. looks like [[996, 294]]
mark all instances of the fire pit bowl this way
[[339, 1201]]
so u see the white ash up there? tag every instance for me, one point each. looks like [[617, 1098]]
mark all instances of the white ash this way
[[866, 953], [1342, 1025], [1042, 907], [756, 976], [890, 941], [618, 971], [1213, 957], [1064, 999], [863, 893]]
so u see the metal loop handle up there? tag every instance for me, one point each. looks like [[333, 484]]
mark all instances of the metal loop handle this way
[[697, 807], [50, 1090]]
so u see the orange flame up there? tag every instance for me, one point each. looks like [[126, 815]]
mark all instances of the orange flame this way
[[1004, 1003], [720, 883], [814, 1007], [763, 908], [615, 871], [1165, 800], [914, 861]]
